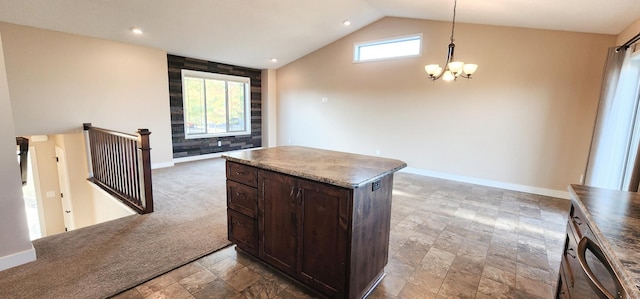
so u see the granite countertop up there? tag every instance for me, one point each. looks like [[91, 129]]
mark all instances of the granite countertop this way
[[331, 167], [616, 215]]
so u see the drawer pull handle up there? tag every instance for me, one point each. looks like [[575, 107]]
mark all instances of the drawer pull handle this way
[[238, 223], [571, 253], [240, 194], [584, 244], [239, 173], [576, 220]]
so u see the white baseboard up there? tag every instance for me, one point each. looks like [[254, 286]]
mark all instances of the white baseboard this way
[[17, 259], [162, 165], [489, 183], [198, 157], [208, 156]]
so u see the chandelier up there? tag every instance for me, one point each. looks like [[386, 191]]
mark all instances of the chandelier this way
[[453, 69]]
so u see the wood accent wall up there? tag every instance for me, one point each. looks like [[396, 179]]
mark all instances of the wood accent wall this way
[[192, 147]]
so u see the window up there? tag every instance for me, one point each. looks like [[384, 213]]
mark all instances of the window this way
[[215, 105], [404, 46]]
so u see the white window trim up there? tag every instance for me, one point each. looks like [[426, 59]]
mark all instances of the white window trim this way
[[216, 76], [357, 45]]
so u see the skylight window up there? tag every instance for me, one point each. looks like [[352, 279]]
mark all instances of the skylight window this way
[[397, 47]]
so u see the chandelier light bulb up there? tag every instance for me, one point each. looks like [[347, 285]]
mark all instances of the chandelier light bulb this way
[[433, 69], [456, 67], [448, 76], [470, 68]]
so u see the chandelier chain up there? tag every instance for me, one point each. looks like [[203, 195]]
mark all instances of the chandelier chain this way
[[453, 26]]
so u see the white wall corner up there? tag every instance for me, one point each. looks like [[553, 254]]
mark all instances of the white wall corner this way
[[489, 183], [269, 108], [17, 259]]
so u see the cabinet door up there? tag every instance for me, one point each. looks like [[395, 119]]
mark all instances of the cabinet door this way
[[562, 291], [277, 220], [243, 231], [324, 223]]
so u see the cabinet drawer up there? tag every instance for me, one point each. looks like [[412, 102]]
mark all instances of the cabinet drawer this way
[[243, 231], [579, 222], [242, 198], [242, 174]]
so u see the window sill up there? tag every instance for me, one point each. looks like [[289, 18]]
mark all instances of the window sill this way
[[203, 136]]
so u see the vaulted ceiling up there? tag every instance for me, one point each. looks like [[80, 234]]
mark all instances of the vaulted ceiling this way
[[252, 32]]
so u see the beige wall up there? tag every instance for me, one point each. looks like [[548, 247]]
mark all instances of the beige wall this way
[[59, 81], [15, 247], [106, 207], [83, 209], [48, 183], [525, 119]]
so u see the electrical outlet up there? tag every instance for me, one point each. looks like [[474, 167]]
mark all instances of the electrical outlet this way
[[377, 152], [219, 143], [375, 185]]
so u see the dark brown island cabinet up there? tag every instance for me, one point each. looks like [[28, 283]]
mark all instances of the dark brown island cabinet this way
[[321, 217], [602, 245]]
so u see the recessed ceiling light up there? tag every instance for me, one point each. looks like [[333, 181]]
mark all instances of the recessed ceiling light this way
[[274, 59], [136, 30], [346, 22]]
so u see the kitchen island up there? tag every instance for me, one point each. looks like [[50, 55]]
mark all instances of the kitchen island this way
[[322, 217], [603, 237]]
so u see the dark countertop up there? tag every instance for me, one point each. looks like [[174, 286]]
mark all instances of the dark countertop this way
[[335, 168], [616, 215]]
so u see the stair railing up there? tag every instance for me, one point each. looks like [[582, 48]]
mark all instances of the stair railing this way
[[120, 164]]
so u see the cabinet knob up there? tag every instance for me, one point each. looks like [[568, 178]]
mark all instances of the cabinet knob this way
[[239, 173]]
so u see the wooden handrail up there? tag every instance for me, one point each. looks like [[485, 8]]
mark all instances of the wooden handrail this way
[[120, 163]]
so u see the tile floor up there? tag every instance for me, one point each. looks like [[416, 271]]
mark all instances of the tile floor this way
[[448, 240]]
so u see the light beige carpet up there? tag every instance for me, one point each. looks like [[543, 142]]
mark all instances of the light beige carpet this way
[[100, 261]]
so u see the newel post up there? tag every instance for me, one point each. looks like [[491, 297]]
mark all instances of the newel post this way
[[145, 153], [87, 147]]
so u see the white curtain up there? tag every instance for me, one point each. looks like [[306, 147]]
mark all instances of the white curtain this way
[[616, 135]]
